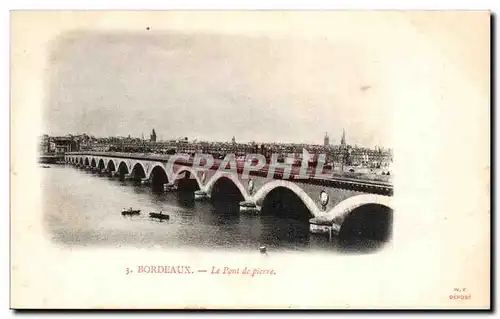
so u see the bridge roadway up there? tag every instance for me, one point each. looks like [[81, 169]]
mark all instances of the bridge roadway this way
[[345, 195]]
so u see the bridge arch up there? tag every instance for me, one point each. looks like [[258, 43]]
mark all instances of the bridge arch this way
[[225, 196], [283, 201], [110, 166], [367, 215], [93, 162], [86, 161], [100, 164], [138, 171], [122, 168], [155, 166], [285, 216], [226, 177], [158, 177], [264, 191]]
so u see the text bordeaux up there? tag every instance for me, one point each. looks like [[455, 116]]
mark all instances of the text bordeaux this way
[[165, 269]]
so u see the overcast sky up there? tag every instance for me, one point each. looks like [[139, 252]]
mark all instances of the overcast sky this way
[[211, 86]]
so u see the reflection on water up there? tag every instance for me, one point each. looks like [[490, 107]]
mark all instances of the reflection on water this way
[[185, 199], [82, 208]]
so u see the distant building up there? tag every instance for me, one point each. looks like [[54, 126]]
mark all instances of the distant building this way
[[233, 140], [153, 136], [326, 142], [184, 140], [59, 144], [374, 158], [44, 146]]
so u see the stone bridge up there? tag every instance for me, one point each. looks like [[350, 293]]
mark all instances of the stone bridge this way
[[327, 201]]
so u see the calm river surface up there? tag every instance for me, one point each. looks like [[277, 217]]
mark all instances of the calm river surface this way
[[84, 209]]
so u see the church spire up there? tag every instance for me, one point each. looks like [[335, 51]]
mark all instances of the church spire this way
[[342, 141], [326, 141]]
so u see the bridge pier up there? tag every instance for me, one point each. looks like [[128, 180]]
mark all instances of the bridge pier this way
[[169, 187], [320, 225], [249, 207], [200, 195]]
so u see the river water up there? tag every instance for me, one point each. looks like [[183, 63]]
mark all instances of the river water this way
[[84, 209]]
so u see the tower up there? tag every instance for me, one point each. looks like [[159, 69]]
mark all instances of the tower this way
[[233, 140], [326, 142], [153, 136], [342, 141]]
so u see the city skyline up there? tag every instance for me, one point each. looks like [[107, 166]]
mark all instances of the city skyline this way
[[269, 89], [160, 139]]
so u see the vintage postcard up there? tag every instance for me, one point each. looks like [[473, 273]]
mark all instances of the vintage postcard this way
[[250, 160]]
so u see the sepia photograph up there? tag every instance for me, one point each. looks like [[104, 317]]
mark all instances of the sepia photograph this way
[[248, 149], [187, 130]]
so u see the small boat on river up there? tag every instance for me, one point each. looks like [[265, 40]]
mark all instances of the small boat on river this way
[[159, 215], [131, 211]]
